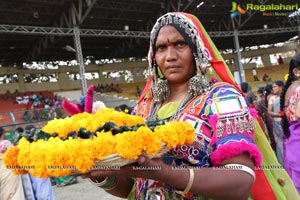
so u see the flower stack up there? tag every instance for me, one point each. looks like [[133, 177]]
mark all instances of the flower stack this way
[[76, 143]]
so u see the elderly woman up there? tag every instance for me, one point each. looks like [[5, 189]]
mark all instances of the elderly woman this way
[[178, 90]]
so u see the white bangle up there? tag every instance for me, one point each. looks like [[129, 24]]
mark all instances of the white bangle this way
[[189, 184], [242, 168], [97, 183]]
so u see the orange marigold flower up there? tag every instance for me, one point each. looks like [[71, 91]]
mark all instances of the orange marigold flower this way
[[10, 161]]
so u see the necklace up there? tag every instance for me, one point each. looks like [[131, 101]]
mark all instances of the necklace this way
[[156, 106]]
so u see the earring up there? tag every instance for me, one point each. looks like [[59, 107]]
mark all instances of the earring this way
[[160, 90], [198, 84]]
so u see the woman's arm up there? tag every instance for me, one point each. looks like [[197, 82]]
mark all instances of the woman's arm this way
[[270, 106], [217, 183], [122, 188]]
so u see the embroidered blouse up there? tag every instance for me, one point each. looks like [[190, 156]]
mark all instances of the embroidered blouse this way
[[224, 125]]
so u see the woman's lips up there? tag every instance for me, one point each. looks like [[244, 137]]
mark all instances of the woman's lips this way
[[172, 67]]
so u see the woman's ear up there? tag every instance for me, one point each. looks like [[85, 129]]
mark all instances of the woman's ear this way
[[296, 72]]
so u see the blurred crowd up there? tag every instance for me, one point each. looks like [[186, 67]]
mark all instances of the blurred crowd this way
[[108, 88]]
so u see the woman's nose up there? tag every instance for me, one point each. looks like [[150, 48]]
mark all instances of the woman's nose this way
[[171, 53]]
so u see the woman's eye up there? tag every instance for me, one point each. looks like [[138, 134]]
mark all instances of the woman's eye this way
[[181, 43], [160, 47]]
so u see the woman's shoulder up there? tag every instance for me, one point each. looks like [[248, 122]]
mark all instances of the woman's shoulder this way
[[224, 88], [293, 90], [295, 86], [271, 98]]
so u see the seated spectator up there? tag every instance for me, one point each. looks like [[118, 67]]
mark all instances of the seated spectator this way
[[33, 96], [58, 112], [19, 100], [18, 134], [36, 115], [41, 96], [44, 114], [25, 100], [102, 88], [16, 93], [26, 116], [7, 95], [117, 88]]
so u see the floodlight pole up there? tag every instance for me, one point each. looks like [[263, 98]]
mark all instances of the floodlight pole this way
[[79, 57], [238, 53]]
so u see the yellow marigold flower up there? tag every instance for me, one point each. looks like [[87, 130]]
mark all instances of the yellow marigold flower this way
[[84, 151], [152, 144], [24, 152], [58, 159], [176, 133], [90, 122], [37, 156], [128, 145], [103, 145]]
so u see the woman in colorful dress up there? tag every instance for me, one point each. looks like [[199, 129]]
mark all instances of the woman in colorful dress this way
[[273, 111], [290, 104], [178, 90]]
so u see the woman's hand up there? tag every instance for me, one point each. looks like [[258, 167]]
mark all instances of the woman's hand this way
[[143, 168]]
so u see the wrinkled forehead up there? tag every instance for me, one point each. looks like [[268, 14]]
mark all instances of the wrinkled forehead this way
[[166, 32]]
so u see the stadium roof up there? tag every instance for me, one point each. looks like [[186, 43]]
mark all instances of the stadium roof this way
[[40, 30]]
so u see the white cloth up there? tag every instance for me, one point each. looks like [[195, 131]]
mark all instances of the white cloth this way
[[10, 184]]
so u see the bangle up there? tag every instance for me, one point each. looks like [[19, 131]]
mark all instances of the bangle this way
[[189, 184], [113, 185], [244, 168], [108, 183]]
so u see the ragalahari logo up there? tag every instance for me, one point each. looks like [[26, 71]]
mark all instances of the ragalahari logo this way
[[236, 10]]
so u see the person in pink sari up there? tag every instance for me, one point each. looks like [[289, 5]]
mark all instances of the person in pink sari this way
[[290, 105]]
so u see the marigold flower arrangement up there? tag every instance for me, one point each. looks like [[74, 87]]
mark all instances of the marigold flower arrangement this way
[[76, 143]]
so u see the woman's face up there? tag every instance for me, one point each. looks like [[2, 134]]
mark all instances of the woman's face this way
[[276, 89], [260, 95], [174, 56]]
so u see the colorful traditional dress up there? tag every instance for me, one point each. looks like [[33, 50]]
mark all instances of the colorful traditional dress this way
[[292, 144], [224, 127]]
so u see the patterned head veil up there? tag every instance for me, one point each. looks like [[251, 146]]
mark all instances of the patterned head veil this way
[[204, 51]]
